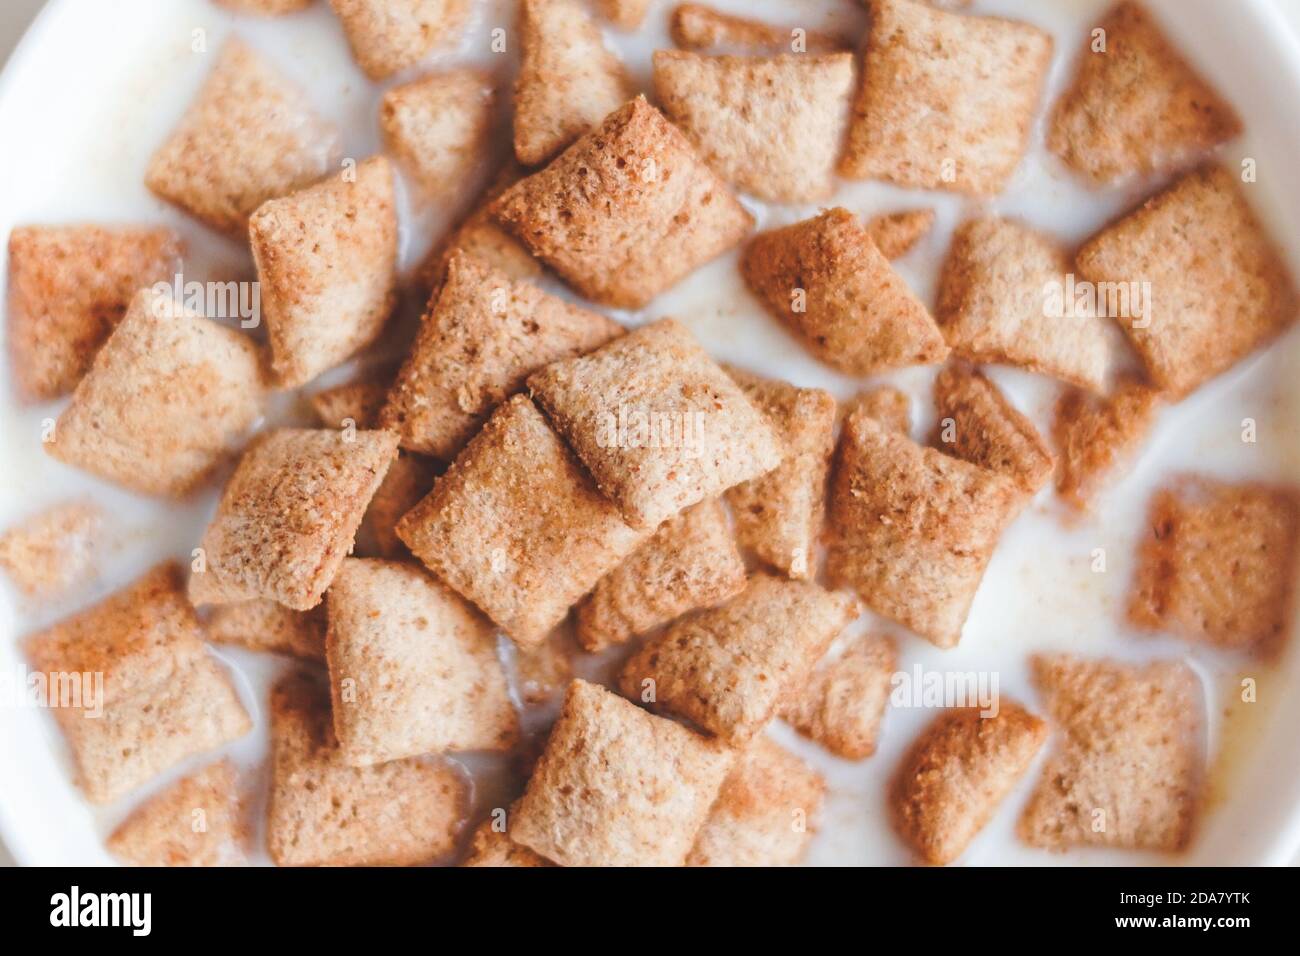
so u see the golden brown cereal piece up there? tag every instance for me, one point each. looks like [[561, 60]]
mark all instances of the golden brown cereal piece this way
[[288, 515], [168, 399], [617, 786], [249, 136], [1127, 769], [546, 669], [517, 526], [696, 27], [408, 480], [765, 813], [897, 233], [1136, 106], [888, 405], [830, 286], [657, 423], [624, 14], [324, 812], [197, 821], [1220, 287], [438, 126], [957, 772], [626, 211], [327, 261], [136, 690], [843, 704], [268, 8], [690, 562], [1095, 435], [493, 847], [730, 668], [265, 625], [771, 127], [49, 552], [387, 36], [357, 403]]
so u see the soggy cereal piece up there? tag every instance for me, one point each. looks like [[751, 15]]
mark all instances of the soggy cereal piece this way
[[617, 786], [696, 27], [387, 36], [888, 405], [1127, 769], [897, 233], [657, 423], [265, 625], [624, 14], [269, 8], [250, 136], [626, 211], [842, 705], [729, 669], [546, 669], [197, 821], [957, 772], [1094, 436], [438, 127], [493, 847], [137, 691], [46, 554], [408, 480], [1220, 287], [828, 283]]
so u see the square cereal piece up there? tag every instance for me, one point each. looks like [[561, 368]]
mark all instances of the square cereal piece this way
[[288, 515], [169, 398], [1095, 435], [624, 14], [1219, 287], [493, 847], [517, 526], [766, 811], [197, 821], [1136, 107], [626, 211], [955, 775], [779, 515], [161, 697], [657, 423], [387, 36], [355, 403], [770, 126], [269, 8], [975, 80], [897, 233], [843, 704], [249, 136], [49, 552], [691, 562], [829, 285], [325, 812], [888, 405], [1219, 563], [913, 529], [543, 670], [408, 479], [69, 287], [729, 669], [617, 786], [484, 335], [438, 127], [1127, 770], [696, 27], [265, 625], [327, 261]]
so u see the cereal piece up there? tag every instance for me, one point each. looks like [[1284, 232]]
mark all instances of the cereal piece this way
[[516, 526], [888, 405], [409, 479], [843, 704], [897, 233], [617, 786], [197, 821], [1127, 770], [249, 136], [770, 126], [438, 127], [657, 423], [269, 8], [546, 669], [387, 36], [957, 772], [691, 562], [1094, 436], [912, 528], [168, 399], [493, 847], [51, 551], [626, 211], [327, 261], [265, 625], [324, 812], [830, 286], [765, 811], [729, 669], [484, 335], [1222, 286], [1136, 106], [624, 14], [288, 515], [136, 690], [357, 403], [705, 30]]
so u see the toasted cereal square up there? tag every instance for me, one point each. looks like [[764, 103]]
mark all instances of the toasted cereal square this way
[[888, 405], [830, 286], [696, 27], [542, 671], [691, 562], [770, 126], [248, 137], [265, 625], [493, 847], [897, 233], [1219, 563], [484, 335], [438, 127], [624, 14], [1127, 771], [516, 525], [356, 403], [626, 211], [387, 36], [325, 812], [657, 423], [842, 705], [268, 8], [729, 669], [957, 772], [1219, 286], [288, 515], [1095, 435], [49, 552], [617, 786], [975, 80], [327, 261], [408, 480], [147, 694], [197, 821], [1136, 106], [765, 812], [912, 528], [168, 399]]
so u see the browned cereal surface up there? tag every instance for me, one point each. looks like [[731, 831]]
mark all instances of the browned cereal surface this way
[[265, 625], [438, 127], [408, 480], [387, 36], [897, 233], [624, 14], [843, 704], [694, 26], [888, 405], [266, 7], [544, 670], [49, 552], [493, 847], [1095, 435], [197, 821]]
